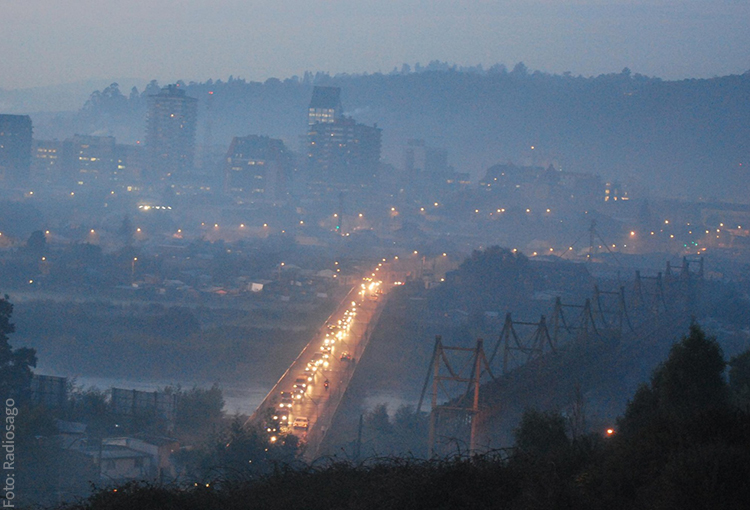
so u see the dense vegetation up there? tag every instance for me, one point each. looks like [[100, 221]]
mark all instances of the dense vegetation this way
[[683, 442], [214, 444]]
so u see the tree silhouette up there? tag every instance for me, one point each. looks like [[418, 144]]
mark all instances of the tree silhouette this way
[[15, 364], [37, 242], [671, 427], [541, 433], [691, 381], [739, 379]]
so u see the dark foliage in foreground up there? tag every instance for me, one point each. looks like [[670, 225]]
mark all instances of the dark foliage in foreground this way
[[481, 482], [682, 443]]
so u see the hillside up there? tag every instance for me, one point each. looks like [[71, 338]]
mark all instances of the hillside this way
[[598, 371], [681, 443], [681, 137]]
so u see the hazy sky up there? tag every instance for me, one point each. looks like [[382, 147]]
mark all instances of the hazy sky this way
[[45, 42]]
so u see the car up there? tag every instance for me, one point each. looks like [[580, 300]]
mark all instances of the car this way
[[309, 374], [286, 400], [320, 358], [281, 416], [300, 382], [345, 356], [301, 422]]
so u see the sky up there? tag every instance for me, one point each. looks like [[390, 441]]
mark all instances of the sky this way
[[53, 42]]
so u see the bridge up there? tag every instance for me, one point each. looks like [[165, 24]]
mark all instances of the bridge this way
[[325, 366], [631, 316]]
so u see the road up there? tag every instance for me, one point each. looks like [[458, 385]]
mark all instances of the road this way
[[348, 330]]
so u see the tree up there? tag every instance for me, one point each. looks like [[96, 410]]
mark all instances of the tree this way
[[243, 451], [671, 425], [199, 410], [151, 89], [520, 69], [410, 428], [489, 279], [739, 378], [541, 433], [15, 364], [91, 406], [688, 384], [125, 232], [691, 381], [378, 421], [37, 242]]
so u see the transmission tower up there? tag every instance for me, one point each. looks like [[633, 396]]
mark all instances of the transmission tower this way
[[530, 346], [583, 325], [463, 374], [611, 310]]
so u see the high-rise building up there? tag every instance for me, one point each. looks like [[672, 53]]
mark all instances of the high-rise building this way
[[344, 151], [47, 161], [325, 105], [427, 172], [15, 148], [340, 152], [130, 163], [419, 158], [91, 160], [257, 167], [170, 133]]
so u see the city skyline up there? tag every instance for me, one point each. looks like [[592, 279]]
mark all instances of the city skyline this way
[[198, 41]]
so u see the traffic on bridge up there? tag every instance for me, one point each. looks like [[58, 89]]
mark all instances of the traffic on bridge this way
[[306, 397]]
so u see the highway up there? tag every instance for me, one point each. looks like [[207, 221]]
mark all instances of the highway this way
[[343, 338]]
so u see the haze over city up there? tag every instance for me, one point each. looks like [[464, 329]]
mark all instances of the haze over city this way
[[56, 42], [504, 245]]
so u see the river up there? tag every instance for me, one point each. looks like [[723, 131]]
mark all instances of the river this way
[[242, 399]]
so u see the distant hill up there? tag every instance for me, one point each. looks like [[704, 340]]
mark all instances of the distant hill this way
[[55, 98], [675, 138]]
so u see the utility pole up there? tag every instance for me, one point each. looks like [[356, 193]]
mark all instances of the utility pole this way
[[433, 410], [475, 405], [358, 445]]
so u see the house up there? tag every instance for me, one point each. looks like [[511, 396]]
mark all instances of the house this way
[[158, 448], [118, 463], [71, 434]]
